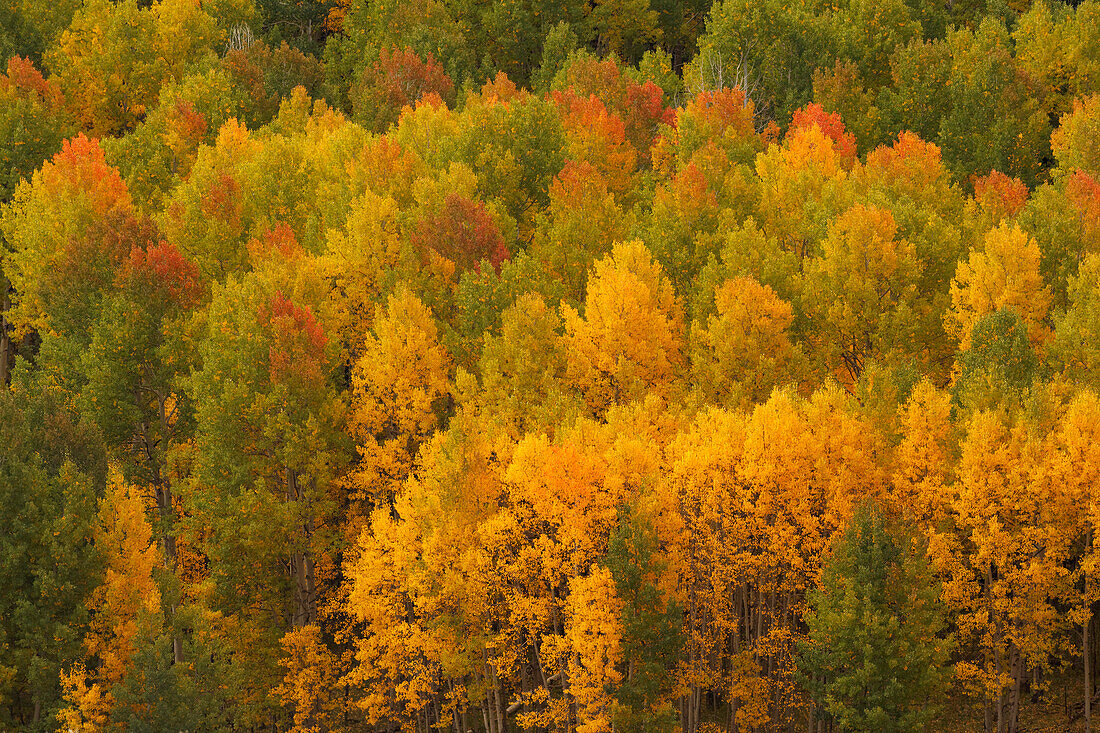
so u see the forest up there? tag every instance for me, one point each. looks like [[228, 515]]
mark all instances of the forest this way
[[549, 366]]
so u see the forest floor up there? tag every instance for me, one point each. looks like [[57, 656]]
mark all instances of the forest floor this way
[[1050, 712]]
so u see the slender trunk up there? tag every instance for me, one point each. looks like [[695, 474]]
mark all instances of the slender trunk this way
[[311, 586], [1085, 653], [162, 490], [776, 701], [696, 703], [454, 710], [988, 652], [5, 339], [735, 650], [1018, 672], [499, 702], [1000, 689], [168, 544], [301, 563], [998, 667], [305, 595], [435, 709], [759, 614]]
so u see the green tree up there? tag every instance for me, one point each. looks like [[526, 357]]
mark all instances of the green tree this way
[[267, 446], [132, 367], [158, 695], [995, 120], [999, 364], [873, 657], [1076, 347], [651, 638], [48, 565]]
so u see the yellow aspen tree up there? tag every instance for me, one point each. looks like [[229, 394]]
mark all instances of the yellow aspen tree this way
[[564, 499], [398, 386], [523, 370], [912, 169], [1073, 511], [859, 294], [719, 562], [356, 259], [311, 687], [114, 58], [394, 662], [88, 705], [630, 340], [1074, 142], [426, 594], [1004, 273], [923, 461], [594, 634], [996, 578], [783, 484], [564, 484], [1076, 345], [743, 352], [799, 184], [129, 598]]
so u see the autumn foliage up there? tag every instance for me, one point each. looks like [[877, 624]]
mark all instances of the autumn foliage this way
[[573, 367]]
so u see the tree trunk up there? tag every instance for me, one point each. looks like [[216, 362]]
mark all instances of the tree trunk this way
[[301, 563], [1018, 672], [998, 666], [305, 596], [992, 657], [163, 491], [1086, 659], [5, 339], [499, 702]]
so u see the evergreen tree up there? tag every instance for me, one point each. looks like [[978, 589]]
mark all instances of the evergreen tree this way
[[651, 639], [873, 657]]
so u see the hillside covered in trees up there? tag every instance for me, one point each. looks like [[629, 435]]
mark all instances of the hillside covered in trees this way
[[583, 366]]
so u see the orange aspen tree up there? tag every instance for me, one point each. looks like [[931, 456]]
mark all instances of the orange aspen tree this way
[[997, 580], [1074, 513], [127, 606]]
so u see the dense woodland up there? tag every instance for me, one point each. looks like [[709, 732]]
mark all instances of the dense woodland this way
[[549, 365]]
